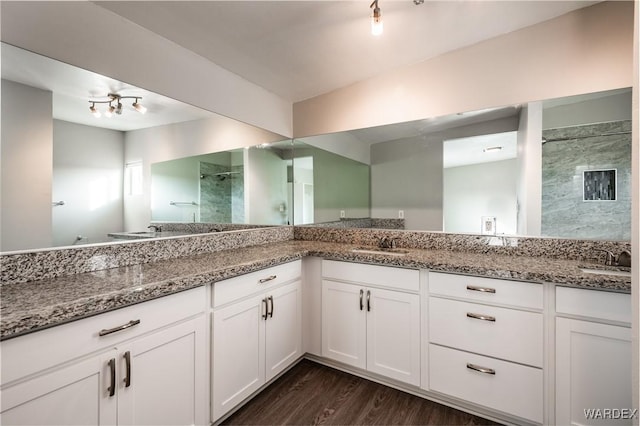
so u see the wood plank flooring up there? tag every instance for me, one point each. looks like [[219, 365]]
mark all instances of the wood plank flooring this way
[[313, 394]]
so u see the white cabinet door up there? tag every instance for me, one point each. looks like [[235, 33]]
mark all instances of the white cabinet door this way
[[344, 336], [393, 334], [283, 328], [76, 394], [593, 365], [162, 378], [238, 353]]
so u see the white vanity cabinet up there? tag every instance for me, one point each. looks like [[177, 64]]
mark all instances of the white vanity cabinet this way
[[256, 332], [486, 342], [371, 318], [593, 357], [140, 365]]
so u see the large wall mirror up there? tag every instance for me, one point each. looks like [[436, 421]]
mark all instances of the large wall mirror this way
[[557, 168], [70, 178]]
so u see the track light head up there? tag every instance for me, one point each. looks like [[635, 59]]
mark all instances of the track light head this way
[[376, 19], [94, 110], [139, 107]]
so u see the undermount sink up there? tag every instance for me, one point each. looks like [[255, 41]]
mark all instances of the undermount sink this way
[[618, 273], [375, 250]]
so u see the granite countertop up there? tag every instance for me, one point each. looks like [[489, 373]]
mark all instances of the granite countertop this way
[[35, 305]]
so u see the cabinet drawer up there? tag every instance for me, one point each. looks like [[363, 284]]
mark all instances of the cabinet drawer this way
[[489, 330], [385, 276], [604, 305], [47, 348], [488, 290], [512, 388], [245, 285]]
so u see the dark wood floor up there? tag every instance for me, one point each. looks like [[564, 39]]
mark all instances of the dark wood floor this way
[[313, 394]]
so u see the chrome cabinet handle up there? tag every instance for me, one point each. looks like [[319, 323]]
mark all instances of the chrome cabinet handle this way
[[127, 359], [112, 367], [270, 298], [361, 296], [269, 278], [130, 324], [368, 300], [266, 309], [484, 370], [481, 317], [481, 289]]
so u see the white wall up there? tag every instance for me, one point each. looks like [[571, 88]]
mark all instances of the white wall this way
[[477, 190], [88, 36], [529, 179], [87, 176], [26, 157], [265, 187], [177, 181], [584, 51]]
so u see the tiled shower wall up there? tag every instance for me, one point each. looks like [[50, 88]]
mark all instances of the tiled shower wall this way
[[221, 197], [569, 152]]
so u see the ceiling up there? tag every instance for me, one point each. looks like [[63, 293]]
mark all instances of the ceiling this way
[[295, 49], [301, 49], [73, 88]]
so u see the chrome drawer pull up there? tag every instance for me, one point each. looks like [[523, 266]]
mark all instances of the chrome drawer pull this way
[[481, 289], [270, 278], [130, 324], [127, 378], [481, 317], [270, 299], [112, 369], [484, 370], [361, 295]]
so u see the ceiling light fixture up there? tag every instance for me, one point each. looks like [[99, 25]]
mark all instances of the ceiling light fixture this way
[[376, 19], [115, 106]]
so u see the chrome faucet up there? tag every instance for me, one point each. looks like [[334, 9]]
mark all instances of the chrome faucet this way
[[387, 243], [155, 228], [623, 259]]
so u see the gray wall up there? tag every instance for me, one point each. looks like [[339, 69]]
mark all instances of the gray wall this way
[[339, 184], [27, 153], [88, 167]]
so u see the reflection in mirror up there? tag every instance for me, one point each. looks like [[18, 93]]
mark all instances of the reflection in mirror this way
[[246, 185], [440, 174], [328, 188], [69, 177]]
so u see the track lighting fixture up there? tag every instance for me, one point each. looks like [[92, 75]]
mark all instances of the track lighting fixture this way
[[115, 106], [376, 19]]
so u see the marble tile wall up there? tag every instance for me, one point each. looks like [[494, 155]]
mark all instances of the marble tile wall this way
[[569, 152], [215, 193]]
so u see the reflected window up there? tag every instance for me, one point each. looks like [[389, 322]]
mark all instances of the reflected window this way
[[133, 178]]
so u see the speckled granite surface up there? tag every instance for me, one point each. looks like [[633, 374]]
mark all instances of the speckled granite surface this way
[[549, 248], [45, 264], [30, 306]]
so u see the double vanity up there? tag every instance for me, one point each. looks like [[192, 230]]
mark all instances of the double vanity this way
[[187, 340]]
